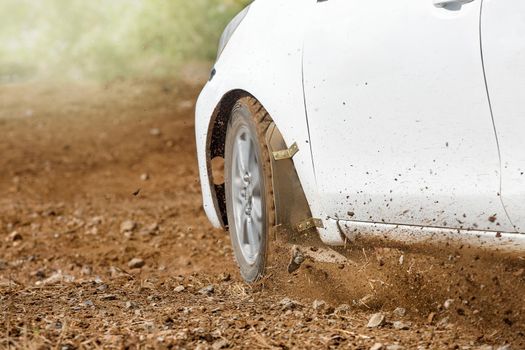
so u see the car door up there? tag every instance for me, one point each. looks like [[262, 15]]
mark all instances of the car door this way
[[399, 121], [503, 47]]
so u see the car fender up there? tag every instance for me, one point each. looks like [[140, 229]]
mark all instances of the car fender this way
[[265, 62]]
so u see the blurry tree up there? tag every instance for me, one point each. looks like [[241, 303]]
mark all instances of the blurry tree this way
[[109, 38]]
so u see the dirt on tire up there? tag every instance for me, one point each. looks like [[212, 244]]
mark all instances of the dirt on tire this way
[[104, 243]]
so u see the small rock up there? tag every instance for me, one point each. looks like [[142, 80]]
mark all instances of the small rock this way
[[225, 277], [168, 323], [400, 311], [102, 287], [92, 231], [288, 304], [148, 326], [448, 303], [150, 229], [319, 305], [179, 289], [377, 346], [86, 270], [395, 347], [88, 303], [14, 236], [144, 177], [207, 290], [96, 220], [485, 347], [147, 285], [296, 260], [220, 344], [154, 298], [504, 347], [376, 320], [7, 283], [131, 305], [400, 325], [128, 226], [343, 309], [401, 259], [40, 274], [57, 277], [442, 323], [108, 297], [136, 263], [154, 132]]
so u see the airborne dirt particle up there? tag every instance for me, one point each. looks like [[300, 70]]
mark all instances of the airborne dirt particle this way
[[296, 260], [136, 263]]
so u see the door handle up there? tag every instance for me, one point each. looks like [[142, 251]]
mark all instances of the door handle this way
[[451, 3]]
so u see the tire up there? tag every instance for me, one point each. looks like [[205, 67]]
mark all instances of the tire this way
[[249, 194]]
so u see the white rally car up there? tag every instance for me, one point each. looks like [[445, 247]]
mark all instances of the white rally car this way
[[395, 119]]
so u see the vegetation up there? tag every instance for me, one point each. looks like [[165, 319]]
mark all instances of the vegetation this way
[[104, 39]]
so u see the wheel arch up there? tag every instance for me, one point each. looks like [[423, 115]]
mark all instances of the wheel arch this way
[[215, 147], [289, 198]]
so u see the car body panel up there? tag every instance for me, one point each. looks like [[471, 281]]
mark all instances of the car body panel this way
[[264, 62], [503, 43], [400, 235], [280, 50], [400, 124]]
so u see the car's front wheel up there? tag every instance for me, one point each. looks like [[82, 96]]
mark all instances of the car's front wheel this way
[[249, 196]]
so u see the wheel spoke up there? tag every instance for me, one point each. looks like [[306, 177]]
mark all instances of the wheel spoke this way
[[253, 237], [239, 200], [243, 154], [256, 180], [245, 231], [237, 182], [257, 209]]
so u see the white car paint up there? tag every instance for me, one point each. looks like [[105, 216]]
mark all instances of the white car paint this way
[[416, 69], [503, 40], [400, 124], [263, 61]]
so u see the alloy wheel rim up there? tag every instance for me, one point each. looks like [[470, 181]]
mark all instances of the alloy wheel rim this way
[[247, 195]]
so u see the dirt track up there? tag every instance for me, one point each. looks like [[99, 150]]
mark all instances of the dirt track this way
[[78, 161]]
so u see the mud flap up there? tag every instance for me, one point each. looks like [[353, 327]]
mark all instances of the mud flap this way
[[291, 206]]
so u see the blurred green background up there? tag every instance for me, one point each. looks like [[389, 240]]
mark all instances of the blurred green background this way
[[108, 39]]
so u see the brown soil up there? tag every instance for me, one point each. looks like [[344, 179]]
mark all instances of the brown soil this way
[[78, 160]]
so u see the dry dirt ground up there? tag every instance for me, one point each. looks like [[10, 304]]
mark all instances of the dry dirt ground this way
[[104, 244]]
